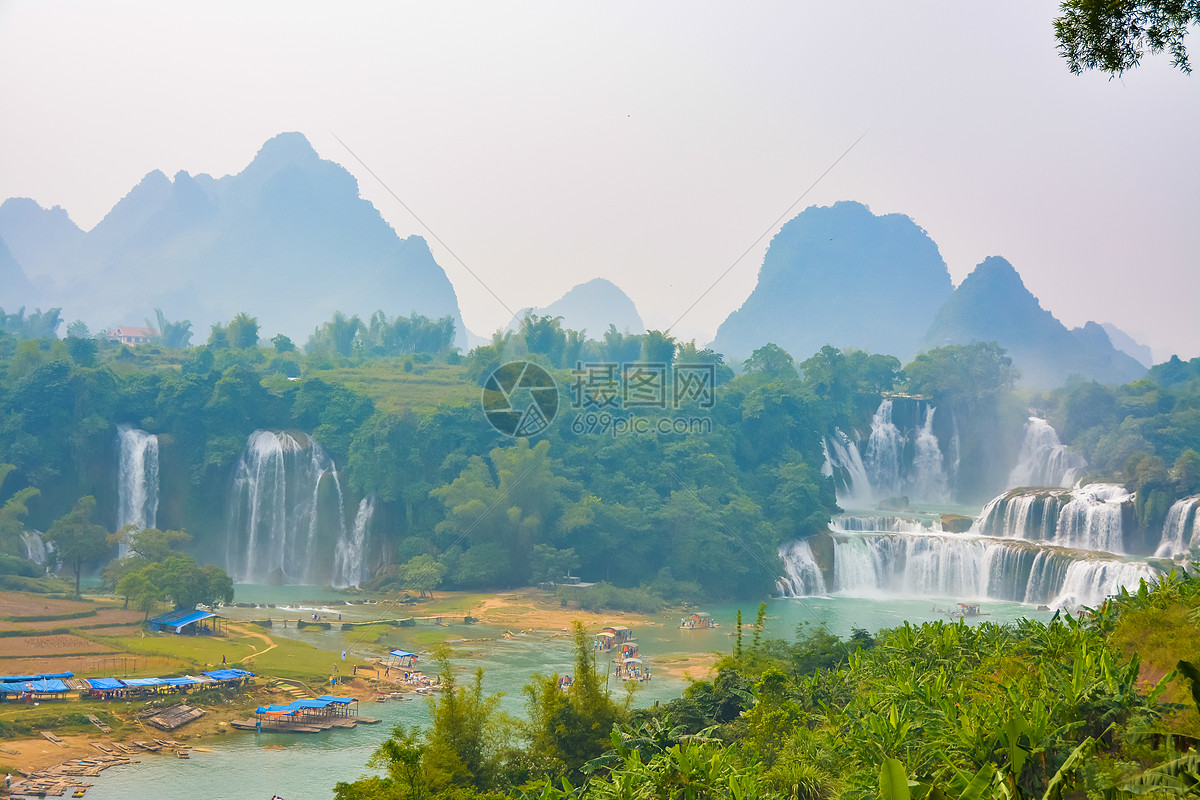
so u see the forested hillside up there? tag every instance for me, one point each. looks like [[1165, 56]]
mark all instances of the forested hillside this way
[[391, 416]]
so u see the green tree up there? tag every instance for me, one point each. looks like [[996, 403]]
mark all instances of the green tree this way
[[422, 574], [77, 540], [78, 330], [144, 592], [13, 513], [243, 331], [771, 361], [463, 743], [175, 335], [1185, 472], [508, 504], [658, 348], [282, 344], [574, 727], [1113, 36]]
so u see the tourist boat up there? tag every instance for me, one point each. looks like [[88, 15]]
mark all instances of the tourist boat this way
[[965, 610], [697, 620], [611, 637], [631, 669]]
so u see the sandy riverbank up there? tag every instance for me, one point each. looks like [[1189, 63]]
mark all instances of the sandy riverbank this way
[[526, 610], [531, 608]]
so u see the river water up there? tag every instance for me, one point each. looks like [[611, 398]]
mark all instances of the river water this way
[[252, 766]]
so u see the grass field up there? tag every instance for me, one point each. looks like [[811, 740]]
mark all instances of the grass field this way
[[392, 389]]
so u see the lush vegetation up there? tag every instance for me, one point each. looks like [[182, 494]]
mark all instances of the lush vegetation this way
[[689, 515], [940, 710]]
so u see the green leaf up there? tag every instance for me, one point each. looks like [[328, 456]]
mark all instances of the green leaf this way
[[893, 781], [1190, 672]]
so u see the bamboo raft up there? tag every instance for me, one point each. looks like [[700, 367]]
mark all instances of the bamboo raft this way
[[174, 717], [62, 779], [92, 718]]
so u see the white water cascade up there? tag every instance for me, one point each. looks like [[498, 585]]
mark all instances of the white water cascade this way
[[841, 452], [802, 577], [885, 450], [137, 479], [35, 547], [350, 554], [1044, 460], [286, 504], [1181, 530], [1091, 517], [928, 481], [929, 564], [898, 459]]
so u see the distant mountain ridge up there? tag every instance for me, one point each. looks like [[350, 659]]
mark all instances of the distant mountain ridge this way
[[1128, 345], [591, 307], [287, 240], [843, 276], [993, 305]]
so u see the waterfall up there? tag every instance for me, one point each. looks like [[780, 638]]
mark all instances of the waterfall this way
[[1093, 518], [1088, 518], [1044, 460], [845, 523], [137, 480], [900, 458], [846, 464], [928, 480], [885, 450], [962, 567], [35, 547], [276, 515], [1088, 582], [1180, 528], [1023, 515], [349, 557], [802, 577]]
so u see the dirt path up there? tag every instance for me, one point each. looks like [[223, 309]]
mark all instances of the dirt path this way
[[255, 635]]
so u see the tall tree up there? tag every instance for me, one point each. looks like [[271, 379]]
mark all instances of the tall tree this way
[[77, 540]]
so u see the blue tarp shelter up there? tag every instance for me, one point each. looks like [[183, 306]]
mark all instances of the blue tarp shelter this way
[[142, 683], [179, 619], [40, 686], [45, 675], [105, 684], [228, 674], [186, 680]]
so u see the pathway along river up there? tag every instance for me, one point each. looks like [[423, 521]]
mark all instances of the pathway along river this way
[[251, 766]]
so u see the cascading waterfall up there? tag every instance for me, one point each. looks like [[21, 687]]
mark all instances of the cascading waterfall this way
[[349, 557], [35, 547], [898, 461], [137, 479], [847, 523], [1089, 518], [918, 562], [1044, 460], [885, 450], [276, 509], [845, 463], [1180, 528], [928, 480], [1023, 515], [802, 576]]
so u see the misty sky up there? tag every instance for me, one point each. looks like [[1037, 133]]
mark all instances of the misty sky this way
[[550, 143]]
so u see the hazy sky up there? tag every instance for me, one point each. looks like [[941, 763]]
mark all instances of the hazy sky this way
[[649, 143]]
